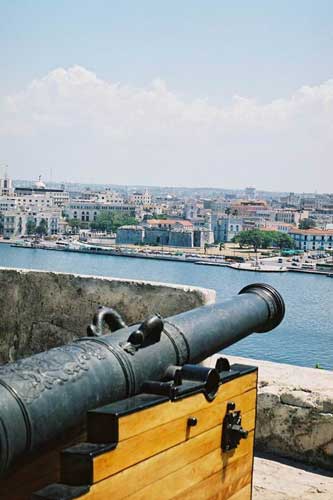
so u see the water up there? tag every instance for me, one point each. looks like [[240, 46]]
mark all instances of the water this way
[[304, 338]]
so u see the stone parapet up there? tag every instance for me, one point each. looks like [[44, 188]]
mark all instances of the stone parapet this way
[[294, 411], [40, 309]]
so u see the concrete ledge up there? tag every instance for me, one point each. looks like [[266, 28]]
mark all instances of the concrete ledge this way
[[40, 309], [294, 412]]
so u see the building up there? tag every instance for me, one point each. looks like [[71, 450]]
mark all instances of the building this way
[[130, 235], [287, 216], [109, 196], [250, 193], [169, 232], [15, 222], [88, 211], [6, 186], [282, 227], [56, 197], [173, 232], [141, 199], [226, 227], [312, 239]]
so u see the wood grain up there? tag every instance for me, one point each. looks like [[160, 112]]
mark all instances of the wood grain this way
[[149, 443], [175, 460]]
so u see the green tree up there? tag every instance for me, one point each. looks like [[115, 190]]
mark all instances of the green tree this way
[[263, 239], [31, 227], [42, 228], [74, 224], [283, 240], [307, 223], [253, 238], [111, 221]]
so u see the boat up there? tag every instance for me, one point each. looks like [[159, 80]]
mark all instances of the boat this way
[[211, 263], [255, 266]]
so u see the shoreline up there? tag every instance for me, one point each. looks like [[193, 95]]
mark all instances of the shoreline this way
[[200, 260]]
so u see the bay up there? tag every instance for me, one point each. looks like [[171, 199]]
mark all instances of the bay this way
[[304, 338]]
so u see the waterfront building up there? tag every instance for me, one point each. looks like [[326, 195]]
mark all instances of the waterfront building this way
[[169, 232], [226, 227], [130, 235], [312, 239], [14, 222], [175, 232], [87, 211]]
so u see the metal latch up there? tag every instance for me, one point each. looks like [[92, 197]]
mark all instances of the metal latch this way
[[232, 431]]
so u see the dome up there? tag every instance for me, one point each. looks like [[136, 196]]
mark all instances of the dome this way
[[40, 184]]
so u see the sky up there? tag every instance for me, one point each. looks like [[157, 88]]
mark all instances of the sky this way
[[204, 94]]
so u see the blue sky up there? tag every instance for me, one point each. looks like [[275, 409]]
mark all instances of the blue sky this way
[[212, 50]]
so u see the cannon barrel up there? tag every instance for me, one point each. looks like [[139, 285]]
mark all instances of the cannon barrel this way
[[45, 394]]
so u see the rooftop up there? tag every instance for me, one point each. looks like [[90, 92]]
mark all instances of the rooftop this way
[[313, 232], [172, 222]]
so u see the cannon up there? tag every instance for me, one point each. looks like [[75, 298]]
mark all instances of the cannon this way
[[50, 392]]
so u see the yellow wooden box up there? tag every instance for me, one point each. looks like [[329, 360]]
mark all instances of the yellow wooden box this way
[[151, 447]]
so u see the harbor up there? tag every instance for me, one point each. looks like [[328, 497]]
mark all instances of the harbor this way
[[266, 265], [304, 337]]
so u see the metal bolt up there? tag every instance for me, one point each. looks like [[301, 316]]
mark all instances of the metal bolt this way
[[192, 421], [231, 406]]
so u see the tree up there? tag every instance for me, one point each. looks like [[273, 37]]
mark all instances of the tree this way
[[263, 239], [74, 224], [42, 228], [283, 240], [252, 237], [31, 227], [307, 223], [111, 221]]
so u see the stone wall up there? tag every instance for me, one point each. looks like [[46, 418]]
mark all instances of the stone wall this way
[[294, 411], [40, 310]]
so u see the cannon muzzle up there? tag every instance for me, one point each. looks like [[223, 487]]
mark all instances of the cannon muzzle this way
[[50, 392]]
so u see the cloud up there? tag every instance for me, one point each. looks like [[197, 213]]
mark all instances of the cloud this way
[[87, 128]]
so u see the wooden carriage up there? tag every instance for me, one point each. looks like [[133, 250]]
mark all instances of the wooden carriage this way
[[173, 441]]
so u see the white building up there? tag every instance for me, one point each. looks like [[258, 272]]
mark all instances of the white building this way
[[141, 199], [88, 211], [39, 191], [15, 222], [312, 239], [110, 197], [6, 186], [288, 216]]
